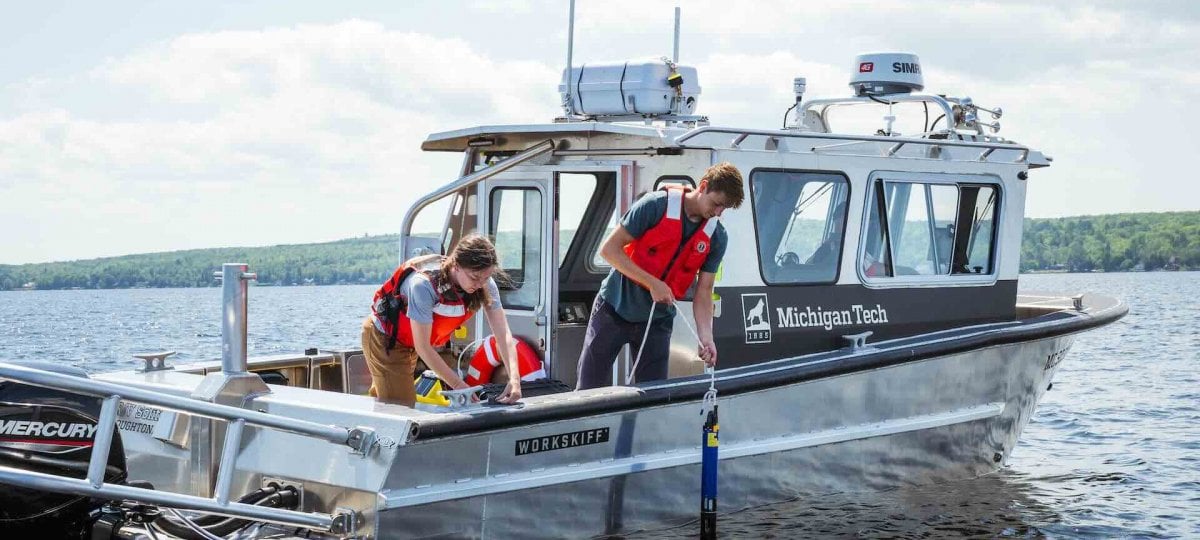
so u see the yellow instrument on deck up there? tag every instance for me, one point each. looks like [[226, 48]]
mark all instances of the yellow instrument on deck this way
[[429, 389]]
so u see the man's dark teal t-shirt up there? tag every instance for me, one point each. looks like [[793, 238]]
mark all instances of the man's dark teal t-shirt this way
[[630, 300]]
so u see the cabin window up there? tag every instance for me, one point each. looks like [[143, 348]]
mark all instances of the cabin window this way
[[929, 229], [799, 218], [575, 191], [516, 226]]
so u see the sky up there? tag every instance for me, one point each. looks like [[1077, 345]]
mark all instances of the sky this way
[[132, 127]]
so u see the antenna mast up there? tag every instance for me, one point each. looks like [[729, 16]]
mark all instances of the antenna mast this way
[[569, 96], [674, 58]]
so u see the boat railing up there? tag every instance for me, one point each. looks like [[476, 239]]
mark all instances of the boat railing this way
[[469, 177], [894, 144], [360, 441]]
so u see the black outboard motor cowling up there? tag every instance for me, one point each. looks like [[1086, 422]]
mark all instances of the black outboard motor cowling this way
[[52, 432]]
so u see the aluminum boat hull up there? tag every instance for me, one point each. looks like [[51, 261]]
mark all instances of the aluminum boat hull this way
[[939, 419]]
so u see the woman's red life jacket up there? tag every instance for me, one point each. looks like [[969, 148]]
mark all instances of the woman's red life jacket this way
[[391, 308], [664, 253]]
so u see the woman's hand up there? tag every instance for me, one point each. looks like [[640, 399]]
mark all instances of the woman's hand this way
[[512, 392]]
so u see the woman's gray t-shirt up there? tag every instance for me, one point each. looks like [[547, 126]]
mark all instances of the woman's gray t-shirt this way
[[421, 297]]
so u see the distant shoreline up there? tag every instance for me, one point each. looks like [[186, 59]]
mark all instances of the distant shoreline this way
[[1107, 243], [253, 284]]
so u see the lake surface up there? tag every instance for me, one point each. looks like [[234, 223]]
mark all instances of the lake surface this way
[[1113, 450]]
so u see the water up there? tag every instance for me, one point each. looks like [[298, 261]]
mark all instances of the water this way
[[1113, 450], [99, 330]]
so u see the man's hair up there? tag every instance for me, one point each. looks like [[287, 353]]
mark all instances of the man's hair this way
[[725, 178]]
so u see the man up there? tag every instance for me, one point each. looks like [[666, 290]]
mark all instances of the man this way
[[827, 253], [665, 240]]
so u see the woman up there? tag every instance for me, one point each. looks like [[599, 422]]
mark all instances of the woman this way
[[421, 305]]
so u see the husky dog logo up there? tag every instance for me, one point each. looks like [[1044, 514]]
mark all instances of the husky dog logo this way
[[756, 317]]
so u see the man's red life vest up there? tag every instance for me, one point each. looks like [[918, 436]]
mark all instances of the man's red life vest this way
[[664, 253], [391, 308]]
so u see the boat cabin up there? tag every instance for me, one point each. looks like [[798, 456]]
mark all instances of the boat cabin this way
[[841, 234]]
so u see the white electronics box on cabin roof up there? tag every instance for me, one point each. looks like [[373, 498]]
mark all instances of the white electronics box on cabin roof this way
[[626, 88], [886, 73]]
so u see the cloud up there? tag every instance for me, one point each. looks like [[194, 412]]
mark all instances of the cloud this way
[[311, 132], [303, 133]]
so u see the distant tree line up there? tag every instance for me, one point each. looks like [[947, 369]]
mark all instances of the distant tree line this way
[[357, 260], [1115, 242]]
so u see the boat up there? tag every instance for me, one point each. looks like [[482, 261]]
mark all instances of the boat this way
[[905, 357]]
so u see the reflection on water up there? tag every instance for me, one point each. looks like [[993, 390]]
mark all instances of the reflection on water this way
[[1112, 450], [995, 505]]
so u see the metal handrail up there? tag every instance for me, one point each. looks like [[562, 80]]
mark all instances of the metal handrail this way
[[521, 157], [360, 439], [103, 389], [741, 135], [49, 482], [826, 104]]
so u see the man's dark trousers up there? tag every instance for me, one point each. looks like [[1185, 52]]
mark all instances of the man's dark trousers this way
[[607, 332]]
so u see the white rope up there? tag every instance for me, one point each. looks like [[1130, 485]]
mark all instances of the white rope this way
[[710, 397], [646, 334]]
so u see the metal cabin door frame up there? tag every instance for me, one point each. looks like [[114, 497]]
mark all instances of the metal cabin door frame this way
[[622, 172], [539, 325], [529, 312]]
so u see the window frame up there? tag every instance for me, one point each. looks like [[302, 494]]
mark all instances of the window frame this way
[[758, 242], [493, 234], [881, 178], [580, 231]]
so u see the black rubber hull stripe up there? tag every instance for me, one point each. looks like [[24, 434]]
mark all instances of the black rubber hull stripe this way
[[792, 371]]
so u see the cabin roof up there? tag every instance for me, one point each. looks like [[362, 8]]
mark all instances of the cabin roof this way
[[658, 136], [456, 141]]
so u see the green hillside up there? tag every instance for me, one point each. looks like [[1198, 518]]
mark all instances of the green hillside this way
[[357, 260], [1113, 242]]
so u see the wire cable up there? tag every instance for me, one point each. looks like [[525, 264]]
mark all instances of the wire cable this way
[[195, 528], [934, 124], [788, 111]]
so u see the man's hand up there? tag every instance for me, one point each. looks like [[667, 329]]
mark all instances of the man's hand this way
[[661, 293], [708, 353], [512, 392]]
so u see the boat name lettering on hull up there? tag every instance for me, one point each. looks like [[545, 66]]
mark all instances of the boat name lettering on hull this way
[[562, 441], [809, 317], [137, 418], [1055, 357]]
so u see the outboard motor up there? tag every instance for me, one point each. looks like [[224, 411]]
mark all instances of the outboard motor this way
[[52, 432]]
